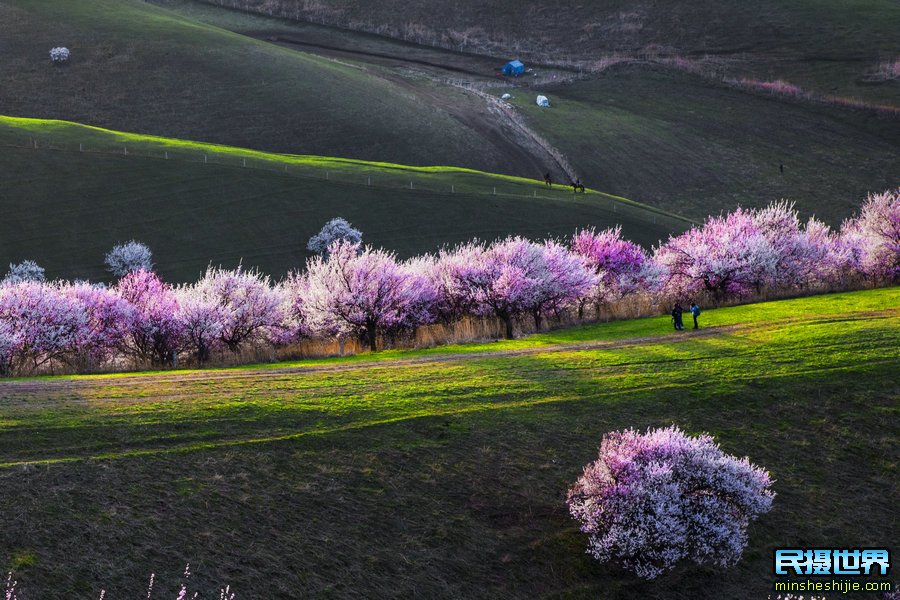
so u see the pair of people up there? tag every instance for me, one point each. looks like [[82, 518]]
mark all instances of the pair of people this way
[[677, 313]]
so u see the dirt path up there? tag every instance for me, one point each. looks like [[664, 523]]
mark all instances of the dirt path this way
[[15, 387], [498, 123]]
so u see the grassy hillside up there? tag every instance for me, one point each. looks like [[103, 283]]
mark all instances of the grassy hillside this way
[[84, 189], [443, 474], [682, 143], [664, 137], [138, 67], [828, 45]]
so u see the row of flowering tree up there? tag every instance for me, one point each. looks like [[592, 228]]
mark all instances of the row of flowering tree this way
[[351, 291]]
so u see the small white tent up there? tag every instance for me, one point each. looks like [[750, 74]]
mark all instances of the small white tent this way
[[506, 96], [543, 101]]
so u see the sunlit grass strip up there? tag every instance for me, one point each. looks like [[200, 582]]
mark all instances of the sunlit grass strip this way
[[76, 135]]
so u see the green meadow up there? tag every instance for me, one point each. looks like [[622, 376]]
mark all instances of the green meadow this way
[[442, 473]]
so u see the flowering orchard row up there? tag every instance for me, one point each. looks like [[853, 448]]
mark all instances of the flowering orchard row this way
[[352, 291]]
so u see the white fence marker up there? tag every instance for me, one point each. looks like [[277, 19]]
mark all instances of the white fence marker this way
[[81, 147], [205, 159]]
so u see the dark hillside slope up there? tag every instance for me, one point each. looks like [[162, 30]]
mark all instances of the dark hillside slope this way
[[825, 44], [65, 208], [141, 68]]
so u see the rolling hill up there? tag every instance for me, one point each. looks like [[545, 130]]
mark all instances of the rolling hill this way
[[828, 45], [678, 140], [72, 192], [141, 68]]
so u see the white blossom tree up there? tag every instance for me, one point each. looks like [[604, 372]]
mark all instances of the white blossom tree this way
[[332, 231], [128, 257], [27, 270]]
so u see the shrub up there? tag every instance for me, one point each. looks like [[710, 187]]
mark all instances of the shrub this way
[[59, 55], [652, 500], [128, 257], [332, 231], [27, 270]]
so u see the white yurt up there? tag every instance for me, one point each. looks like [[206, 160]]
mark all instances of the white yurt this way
[[543, 101]]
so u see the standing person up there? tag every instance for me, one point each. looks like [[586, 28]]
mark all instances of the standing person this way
[[695, 312], [548, 180], [676, 317]]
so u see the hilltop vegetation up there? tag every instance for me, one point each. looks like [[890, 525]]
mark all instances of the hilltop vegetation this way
[[443, 473]]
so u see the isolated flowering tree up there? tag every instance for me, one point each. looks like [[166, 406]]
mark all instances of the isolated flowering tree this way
[[618, 265], [44, 324], [128, 257], [332, 231], [874, 237], [59, 55], [250, 308], [355, 291], [655, 499], [27, 270], [155, 332]]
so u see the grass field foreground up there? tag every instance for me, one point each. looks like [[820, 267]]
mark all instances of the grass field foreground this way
[[442, 473]]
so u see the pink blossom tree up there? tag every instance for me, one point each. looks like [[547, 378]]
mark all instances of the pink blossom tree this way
[[727, 256], [618, 265], [109, 320], [356, 291], [155, 332], [655, 499], [201, 320], [250, 307], [874, 236], [43, 324], [562, 279]]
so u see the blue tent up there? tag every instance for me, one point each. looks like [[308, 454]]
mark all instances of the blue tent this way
[[513, 68]]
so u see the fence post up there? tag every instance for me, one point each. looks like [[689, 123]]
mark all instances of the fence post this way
[[205, 159], [81, 147], [410, 185], [245, 162], [125, 152], [368, 181], [495, 190], [452, 189]]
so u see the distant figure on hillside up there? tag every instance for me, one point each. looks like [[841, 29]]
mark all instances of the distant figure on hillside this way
[[548, 181], [677, 311], [695, 312], [577, 186], [781, 167]]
